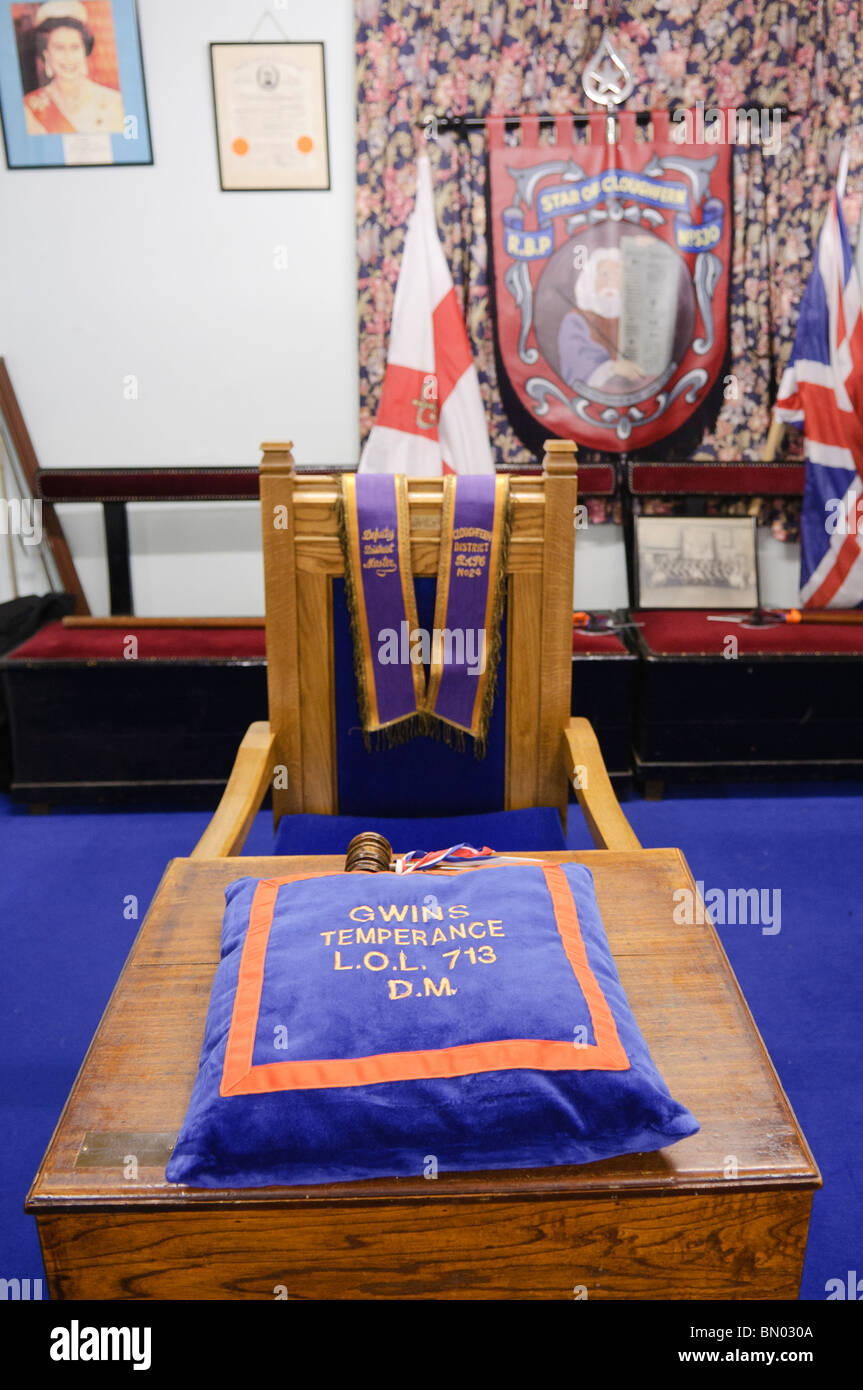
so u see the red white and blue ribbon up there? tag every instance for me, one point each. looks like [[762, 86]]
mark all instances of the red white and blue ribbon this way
[[417, 860]]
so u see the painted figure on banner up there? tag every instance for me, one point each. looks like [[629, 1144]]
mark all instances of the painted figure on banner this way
[[589, 334], [68, 100], [611, 269]]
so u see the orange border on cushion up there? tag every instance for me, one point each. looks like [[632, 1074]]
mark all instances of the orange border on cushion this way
[[240, 1077]]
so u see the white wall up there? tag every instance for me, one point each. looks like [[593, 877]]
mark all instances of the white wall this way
[[600, 568], [778, 571], [154, 272]]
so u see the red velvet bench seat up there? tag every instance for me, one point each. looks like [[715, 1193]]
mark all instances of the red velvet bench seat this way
[[775, 701], [89, 719]]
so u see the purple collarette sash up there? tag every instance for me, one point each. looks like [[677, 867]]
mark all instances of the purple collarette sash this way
[[380, 594], [465, 642], [390, 650]]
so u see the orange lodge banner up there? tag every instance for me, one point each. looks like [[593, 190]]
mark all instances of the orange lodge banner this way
[[611, 270]]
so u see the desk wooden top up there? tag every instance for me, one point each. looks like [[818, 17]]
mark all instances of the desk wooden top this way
[[131, 1094]]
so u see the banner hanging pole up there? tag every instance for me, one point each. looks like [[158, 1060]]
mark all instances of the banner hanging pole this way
[[774, 439]]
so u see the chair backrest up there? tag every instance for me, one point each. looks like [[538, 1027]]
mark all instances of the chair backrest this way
[[302, 558]]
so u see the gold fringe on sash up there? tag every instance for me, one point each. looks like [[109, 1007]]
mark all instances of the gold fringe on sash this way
[[354, 612]]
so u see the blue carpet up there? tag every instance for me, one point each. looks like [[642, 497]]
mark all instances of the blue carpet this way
[[67, 882], [536, 827]]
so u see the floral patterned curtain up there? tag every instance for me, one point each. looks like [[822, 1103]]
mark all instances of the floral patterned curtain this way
[[417, 59]]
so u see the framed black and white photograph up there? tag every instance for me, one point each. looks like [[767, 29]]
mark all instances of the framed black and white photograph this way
[[271, 116], [72, 85], [696, 562]]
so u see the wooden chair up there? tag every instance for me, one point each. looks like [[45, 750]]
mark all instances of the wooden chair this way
[[302, 556], [723, 1214]]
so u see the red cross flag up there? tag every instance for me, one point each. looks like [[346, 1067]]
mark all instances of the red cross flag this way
[[430, 418]]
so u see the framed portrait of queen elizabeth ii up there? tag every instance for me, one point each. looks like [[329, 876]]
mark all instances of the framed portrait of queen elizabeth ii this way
[[72, 84]]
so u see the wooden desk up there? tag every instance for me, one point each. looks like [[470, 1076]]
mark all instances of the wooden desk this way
[[723, 1214]]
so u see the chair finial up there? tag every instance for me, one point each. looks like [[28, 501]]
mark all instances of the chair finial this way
[[560, 456], [278, 456]]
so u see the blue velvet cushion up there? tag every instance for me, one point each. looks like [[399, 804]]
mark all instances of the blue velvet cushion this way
[[371, 1025], [536, 827]]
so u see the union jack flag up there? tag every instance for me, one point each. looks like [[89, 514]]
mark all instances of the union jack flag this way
[[822, 391]]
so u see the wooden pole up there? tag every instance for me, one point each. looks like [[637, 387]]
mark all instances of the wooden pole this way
[[851, 617], [29, 467], [10, 544], [774, 439]]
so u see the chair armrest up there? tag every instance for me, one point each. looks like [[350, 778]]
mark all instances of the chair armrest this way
[[241, 800], [586, 770]]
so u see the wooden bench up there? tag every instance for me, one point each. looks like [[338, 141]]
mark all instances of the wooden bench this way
[[164, 724], [779, 702]]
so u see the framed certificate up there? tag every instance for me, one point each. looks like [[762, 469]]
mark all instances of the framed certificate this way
[[271, 116], [72, 84]]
